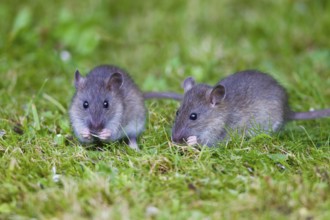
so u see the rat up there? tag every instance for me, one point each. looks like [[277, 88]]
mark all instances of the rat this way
[[108, 106], [246, 102]]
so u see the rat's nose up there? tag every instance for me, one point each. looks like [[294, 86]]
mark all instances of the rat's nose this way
[[177, 138], [95, 125]]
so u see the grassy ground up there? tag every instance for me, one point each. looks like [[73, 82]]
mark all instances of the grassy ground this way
[[46, 174]]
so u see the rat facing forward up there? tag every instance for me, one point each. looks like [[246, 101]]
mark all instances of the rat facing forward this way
[[247, 102], [107, 106]]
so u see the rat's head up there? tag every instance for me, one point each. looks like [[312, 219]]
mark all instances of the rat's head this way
[[97, 107], [202, 113]]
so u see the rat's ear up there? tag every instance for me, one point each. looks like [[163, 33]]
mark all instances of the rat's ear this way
[[188, 83], [217, 94], [78, 80], [115, 81]]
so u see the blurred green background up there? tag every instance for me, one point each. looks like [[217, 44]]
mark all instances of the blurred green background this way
[[160, 43]]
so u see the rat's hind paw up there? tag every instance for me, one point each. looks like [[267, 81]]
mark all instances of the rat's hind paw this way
[[133, 144]]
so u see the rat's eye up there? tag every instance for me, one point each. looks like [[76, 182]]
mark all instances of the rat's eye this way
[[105, 104], [193, 116], [85, 105]]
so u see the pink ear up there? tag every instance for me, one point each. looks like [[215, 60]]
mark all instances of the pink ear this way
[[188, 83], [218, 93], [115, 81], [78, 80]]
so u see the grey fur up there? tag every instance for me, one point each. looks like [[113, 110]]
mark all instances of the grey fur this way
[[252, 102], [126, 112]]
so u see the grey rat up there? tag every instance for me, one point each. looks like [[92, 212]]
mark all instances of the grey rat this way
[[246, 102], [108, 106]]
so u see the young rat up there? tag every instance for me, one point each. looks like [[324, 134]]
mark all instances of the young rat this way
[[108, 106], [245, 102]]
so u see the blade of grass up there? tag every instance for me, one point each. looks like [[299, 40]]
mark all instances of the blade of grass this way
[[54, 102], [35, 117]]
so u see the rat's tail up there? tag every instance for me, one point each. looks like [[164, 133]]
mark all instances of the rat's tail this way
[[162, 95], [309, 115]]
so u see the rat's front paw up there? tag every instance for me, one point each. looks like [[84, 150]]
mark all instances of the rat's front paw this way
[[192, 140], [104, 134], [85, 134]]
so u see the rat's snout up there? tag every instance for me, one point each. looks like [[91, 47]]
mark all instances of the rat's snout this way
[[177, 138], [95, 126]]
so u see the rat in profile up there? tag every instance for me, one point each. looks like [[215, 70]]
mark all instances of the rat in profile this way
[[108, 106], [246, 102]]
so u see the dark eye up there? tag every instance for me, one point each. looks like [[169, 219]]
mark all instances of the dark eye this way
[[105, 104], [85, 105], [193, 116], [177, 113]]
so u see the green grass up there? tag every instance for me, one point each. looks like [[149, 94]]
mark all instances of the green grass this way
[[47, 174]]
